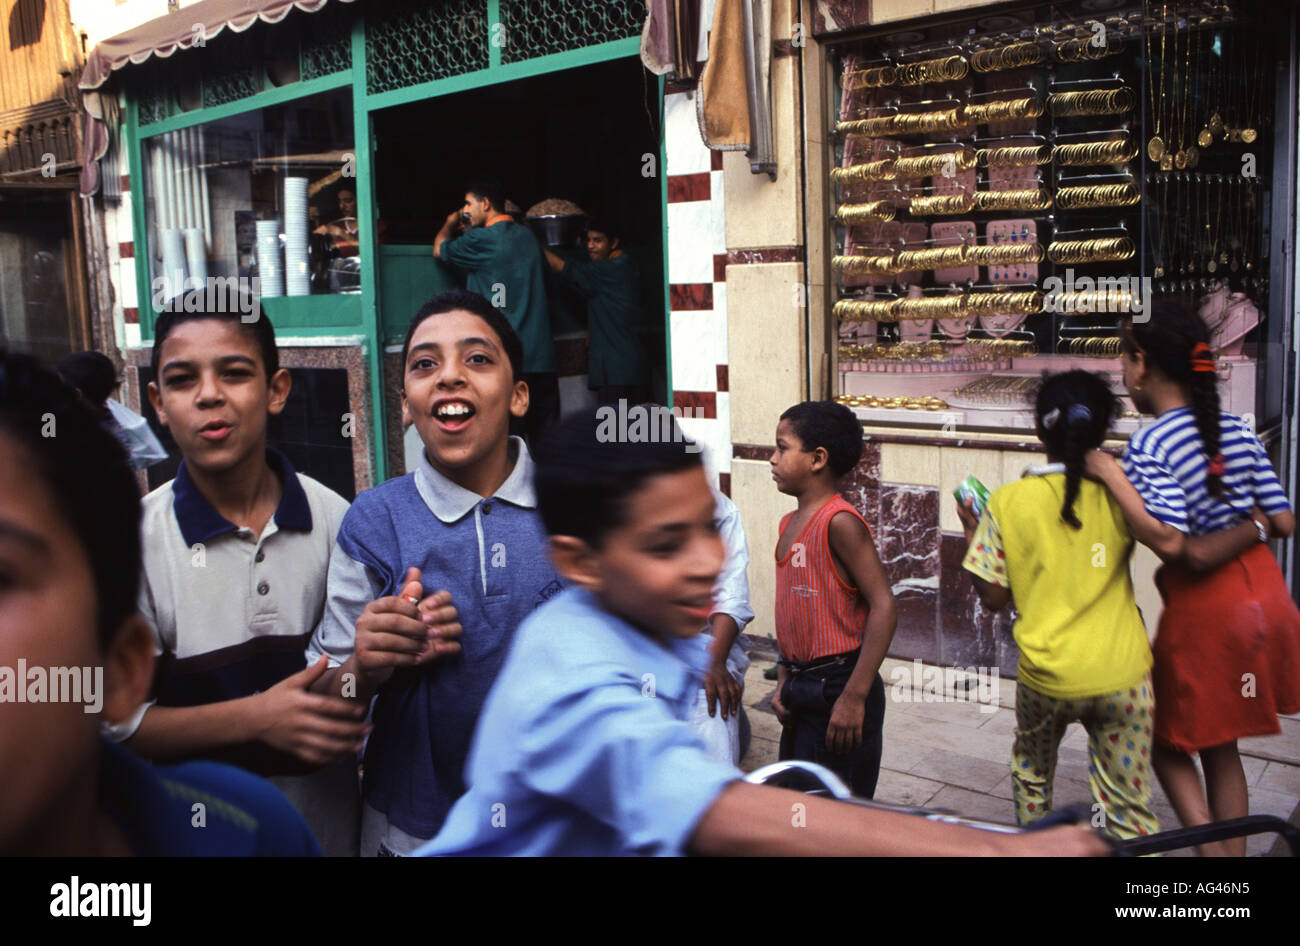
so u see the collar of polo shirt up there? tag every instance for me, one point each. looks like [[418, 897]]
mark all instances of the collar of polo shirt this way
[[451, 502], [199, 521]]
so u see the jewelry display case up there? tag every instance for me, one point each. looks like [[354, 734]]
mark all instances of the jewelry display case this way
[[1008, 189]]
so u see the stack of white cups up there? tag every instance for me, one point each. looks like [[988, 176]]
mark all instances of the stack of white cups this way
[[270, 266], [173, 264], [297, 277]]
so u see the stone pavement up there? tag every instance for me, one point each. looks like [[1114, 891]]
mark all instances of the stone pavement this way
[[957, 755]]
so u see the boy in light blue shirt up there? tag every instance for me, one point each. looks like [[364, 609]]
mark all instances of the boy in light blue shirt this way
[[583, 746]]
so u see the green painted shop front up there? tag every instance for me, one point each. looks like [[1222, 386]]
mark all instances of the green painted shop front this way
[[381, 60]]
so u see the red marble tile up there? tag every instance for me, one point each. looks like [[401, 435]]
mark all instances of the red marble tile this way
[[908, 538], [722, 377], [860, 487], [132, 316], [125, 183], [690, 296], [126, 250], [699, 403], [715, 160], [719, 267], [835, 15], [724, 483], [686, 187], [751, 451]]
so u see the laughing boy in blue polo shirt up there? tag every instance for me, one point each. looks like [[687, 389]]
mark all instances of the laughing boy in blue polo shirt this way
[[463, 522], [236, 549], [584, 746]]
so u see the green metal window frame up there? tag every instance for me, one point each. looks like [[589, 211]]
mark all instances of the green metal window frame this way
[[364, 104]]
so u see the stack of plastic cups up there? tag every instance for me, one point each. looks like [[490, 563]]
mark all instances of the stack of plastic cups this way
[[297, 276], [196, 256], [270, 266], [173, 265]]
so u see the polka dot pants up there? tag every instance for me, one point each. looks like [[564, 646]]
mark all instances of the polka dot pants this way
[[1119, 755]]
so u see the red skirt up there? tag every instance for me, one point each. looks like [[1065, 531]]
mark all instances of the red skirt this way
[[1227, 652]]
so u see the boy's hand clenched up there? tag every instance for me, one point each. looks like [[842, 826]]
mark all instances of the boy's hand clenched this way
[[405, 630], [316, 728]]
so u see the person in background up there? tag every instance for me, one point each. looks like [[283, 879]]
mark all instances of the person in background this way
[[835, 612], [617, 365], [1199, 490], [502, 262], [93, 376], [69, 575], [716, 712], [343, 231], [236, 552]]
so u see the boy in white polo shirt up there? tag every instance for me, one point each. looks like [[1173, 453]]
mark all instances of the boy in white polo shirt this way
[[236, 551]]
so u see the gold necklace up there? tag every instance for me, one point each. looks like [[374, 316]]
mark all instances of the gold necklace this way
[[1156, 146], [1186, 156]]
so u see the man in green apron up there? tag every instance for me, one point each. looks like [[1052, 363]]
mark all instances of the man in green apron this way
[[617, 365], [502, 262]]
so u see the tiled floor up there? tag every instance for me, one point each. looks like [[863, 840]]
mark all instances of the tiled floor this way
[[956, 755]]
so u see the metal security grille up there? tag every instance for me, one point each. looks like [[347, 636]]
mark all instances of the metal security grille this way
[[532, 28], [152, 93], [327, 42], [413, 41], [232, 68]]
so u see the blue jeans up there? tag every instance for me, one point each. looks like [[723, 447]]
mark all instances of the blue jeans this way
[[809, 695]]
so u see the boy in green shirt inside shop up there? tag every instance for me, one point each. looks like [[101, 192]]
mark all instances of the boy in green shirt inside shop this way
[[502, 262], [617, 365]]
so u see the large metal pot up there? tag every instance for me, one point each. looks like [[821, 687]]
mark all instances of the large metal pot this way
[[558, 229]]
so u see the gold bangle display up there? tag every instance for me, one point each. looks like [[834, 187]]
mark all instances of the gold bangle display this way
[[906, 123], [1097, 195], [874, 78], [948, 69], [1007, 302], [1097, 346], [875, 211], [1003, 347], [932, 307], [1019, 156], [1091, 300], [1006, 254], [1083, 50], [1003, 110], [1106, 250], [881, 170], [926, 403], [1034, 198], [944, 163], [897, 351], [931, 257], [939, 205], [1014, 56], [1010, 390], [865, 310], [1091, 102], [1095, 152], [863, 265]]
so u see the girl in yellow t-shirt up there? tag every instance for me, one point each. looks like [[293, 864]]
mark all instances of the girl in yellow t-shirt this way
[[1059, 544]]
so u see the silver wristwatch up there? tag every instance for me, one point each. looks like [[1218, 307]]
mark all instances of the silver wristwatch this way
[[1263, 530]]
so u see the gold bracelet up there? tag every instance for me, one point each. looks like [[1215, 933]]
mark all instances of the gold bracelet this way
[[1083, 50], [873, 78], [932, 257], [1035, 198], [925, 403], [1014, 56], [1018, 156], [865, 310], [1095, 152], [1087, 301], [1006, 254], [1091, 102], [982, 113], [1003, 347], [882, 170], [1109, 249], [932, 307], [945, 163], [897, 351], [948, 69], [1007, 302], [877, 265], [874, 212], [941, 205], [1094, 195]]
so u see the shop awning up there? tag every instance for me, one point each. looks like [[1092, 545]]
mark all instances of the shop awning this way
[[161, 37], [179, 30]]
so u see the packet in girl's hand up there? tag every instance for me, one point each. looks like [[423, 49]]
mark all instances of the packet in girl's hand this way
[[970, 488]]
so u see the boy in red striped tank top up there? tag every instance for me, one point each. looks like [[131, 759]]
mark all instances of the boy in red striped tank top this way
[[835, 614]]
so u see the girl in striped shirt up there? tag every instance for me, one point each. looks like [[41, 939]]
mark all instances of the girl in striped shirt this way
[[1204, 497]]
